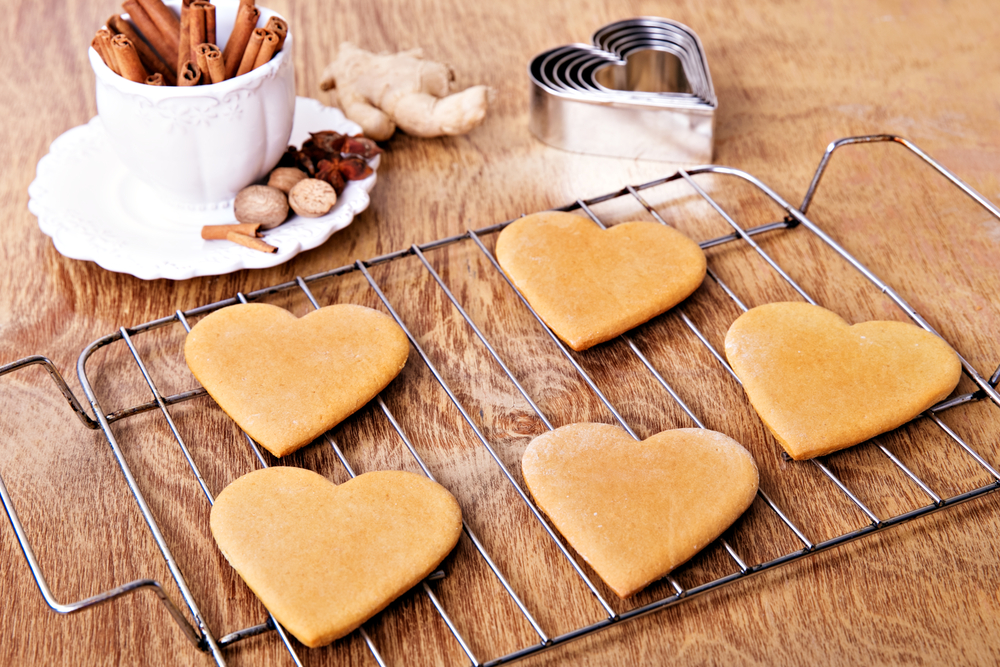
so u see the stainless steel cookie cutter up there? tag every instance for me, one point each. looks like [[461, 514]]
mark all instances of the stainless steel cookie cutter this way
[[642, 91]]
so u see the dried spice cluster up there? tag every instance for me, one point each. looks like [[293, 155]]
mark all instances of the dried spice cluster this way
[[333, 157], [307, 179]]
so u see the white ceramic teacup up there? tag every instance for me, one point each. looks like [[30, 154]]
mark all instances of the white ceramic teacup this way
[[198, 146]]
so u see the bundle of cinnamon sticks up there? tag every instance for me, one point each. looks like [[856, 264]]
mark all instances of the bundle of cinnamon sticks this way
[[158, 48]]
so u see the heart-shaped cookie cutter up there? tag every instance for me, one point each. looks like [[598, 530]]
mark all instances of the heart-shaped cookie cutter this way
[[642, 90]]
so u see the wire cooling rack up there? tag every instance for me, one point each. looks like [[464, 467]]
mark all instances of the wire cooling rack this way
[[201, 636]]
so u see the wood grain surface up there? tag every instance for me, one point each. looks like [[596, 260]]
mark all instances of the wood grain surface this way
[[791, 76]]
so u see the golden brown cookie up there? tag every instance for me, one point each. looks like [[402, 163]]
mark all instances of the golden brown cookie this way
[[286, 380], [821, 385], [324, 558], [637, 510], [590, 285]]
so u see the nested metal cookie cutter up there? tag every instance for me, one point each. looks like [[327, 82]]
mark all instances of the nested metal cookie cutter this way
[[642, 90]]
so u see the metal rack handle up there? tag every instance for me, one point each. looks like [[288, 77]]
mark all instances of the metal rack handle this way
[[192, 635]]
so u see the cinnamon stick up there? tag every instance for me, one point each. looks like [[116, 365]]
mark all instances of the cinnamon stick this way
[[184, 39], [279, 28], [267, 49], [209, 10], [102, 44], [163, 18], [155, 80], [189, 74], [246, 21], [210, 61], [165, 47], [196, 27], [97, 46], [150, 59], [218, 232], [128, 59], [250, 242], [210, 31], [250, 54]]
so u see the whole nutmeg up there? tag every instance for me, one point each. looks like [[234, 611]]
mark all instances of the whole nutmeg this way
[[262, 205], [284, 178], [312, 198]]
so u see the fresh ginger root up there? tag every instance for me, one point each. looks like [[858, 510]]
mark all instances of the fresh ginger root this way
[[382, 91]]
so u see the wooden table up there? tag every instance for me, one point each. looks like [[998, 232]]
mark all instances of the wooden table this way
[[790, 78]]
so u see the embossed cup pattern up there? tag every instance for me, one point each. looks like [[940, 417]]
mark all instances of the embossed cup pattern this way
[[198, 146]]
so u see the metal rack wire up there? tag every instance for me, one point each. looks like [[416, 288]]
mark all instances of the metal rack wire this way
[[201, 636]]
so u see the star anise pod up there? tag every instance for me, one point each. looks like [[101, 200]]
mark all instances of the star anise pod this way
[[329, 171]]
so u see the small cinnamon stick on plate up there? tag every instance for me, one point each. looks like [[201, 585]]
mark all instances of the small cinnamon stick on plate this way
[[155, 80], [219, 232], [250, 242]]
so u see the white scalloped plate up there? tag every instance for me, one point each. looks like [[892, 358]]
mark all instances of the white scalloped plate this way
[[85, 199]]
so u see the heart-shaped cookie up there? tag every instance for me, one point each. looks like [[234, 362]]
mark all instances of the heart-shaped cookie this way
[[821, 385], [590, 285], [324, 558], [286, 380], [637, 510]]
